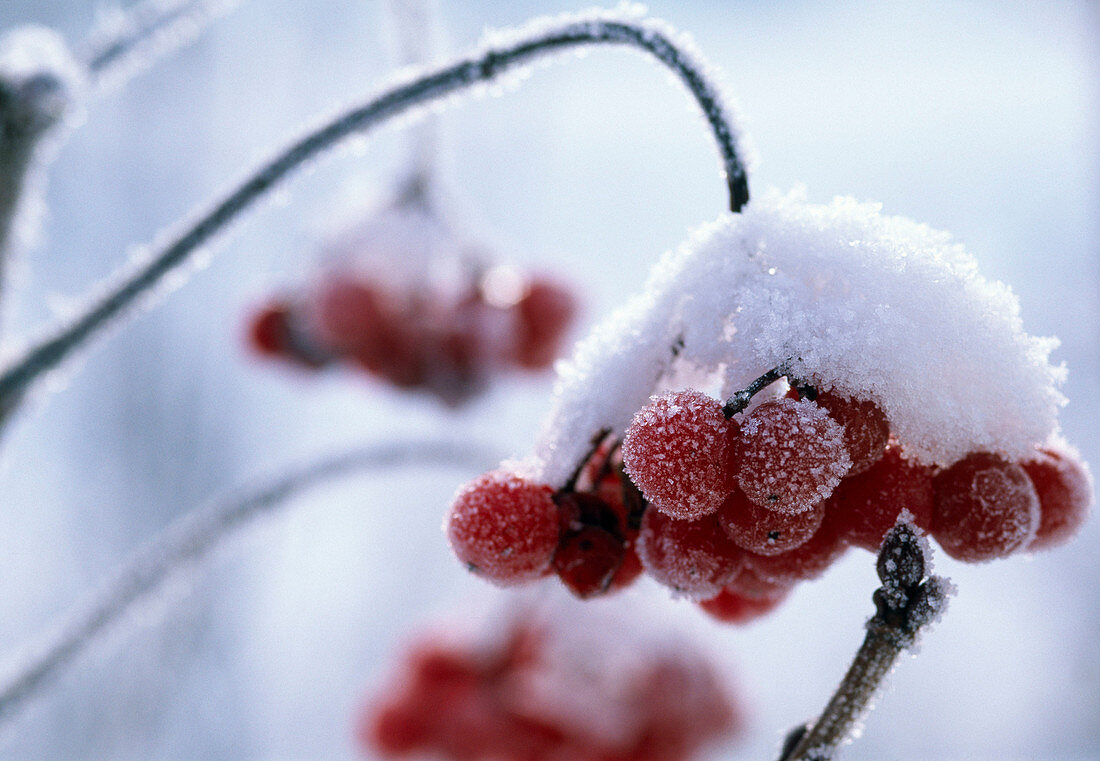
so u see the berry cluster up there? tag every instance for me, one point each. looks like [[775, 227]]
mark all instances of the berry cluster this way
[[417, 337], [744, 506], [524, 698], [733, 505], [511, 529]]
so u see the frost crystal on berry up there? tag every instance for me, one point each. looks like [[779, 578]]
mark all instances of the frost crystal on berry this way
[[675, 452]]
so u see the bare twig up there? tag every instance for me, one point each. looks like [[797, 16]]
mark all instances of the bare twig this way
[[125, 41], [904, 605], [434, 84], [189, 541]]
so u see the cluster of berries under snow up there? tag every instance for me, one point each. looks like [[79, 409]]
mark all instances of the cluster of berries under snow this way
[[413, 304], [855, 366], [545, 688]]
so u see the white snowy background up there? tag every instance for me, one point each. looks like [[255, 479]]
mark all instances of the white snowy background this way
[[979, 118]]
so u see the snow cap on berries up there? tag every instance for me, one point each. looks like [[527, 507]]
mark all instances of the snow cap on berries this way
[[870, 306]]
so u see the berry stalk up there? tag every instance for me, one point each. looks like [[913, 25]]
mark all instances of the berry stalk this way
[[904, 606], [429, 86], [191, 540]]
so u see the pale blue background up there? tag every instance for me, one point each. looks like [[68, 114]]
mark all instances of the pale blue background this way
[[980, 118]]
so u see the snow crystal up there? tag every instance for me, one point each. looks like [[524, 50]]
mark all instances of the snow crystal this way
[[874, 307]]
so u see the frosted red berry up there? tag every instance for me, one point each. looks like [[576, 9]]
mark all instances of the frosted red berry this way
[[985, 507], [790, 455], [865, 506], [695, 558], [866, 429], [806, 561], [764, 531], [1064, 488], [504, 527], [733, 608], [675, 451]]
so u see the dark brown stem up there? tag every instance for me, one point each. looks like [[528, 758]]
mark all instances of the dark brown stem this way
[[904, 606], [740, 400]]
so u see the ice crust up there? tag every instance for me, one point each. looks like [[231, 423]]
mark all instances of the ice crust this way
[[868, 305]]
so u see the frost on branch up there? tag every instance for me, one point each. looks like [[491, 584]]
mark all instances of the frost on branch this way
[[873, 307]]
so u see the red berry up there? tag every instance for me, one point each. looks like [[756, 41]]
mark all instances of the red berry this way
[[732, 608], [353, 317], [749, 583], [790, 455], [806, 561], [675, 451], [269, 331], [630, 569], [866, 429], [763, 531], [984, 507], [587, 560], [693, 557], [543, 318], [504, 527], [867, 505], [1064, 487]]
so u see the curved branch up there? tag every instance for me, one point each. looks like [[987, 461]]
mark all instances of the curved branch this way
[[651, 37], [190, 540], [148, 29]]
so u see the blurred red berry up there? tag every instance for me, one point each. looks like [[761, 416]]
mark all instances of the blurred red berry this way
[[1064, 487]]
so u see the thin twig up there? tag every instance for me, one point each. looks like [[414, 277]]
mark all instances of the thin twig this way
[[146, 30], [436, 83], [190, 540], [905, 603]]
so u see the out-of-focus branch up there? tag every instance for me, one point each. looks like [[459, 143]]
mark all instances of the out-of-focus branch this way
[[128, 287], [192, 539], [124, 41]]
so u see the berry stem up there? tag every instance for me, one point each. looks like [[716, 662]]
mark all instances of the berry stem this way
[[740, 400], [904, 605], [190, 540], [431, 85], [417, 32], [148, 29]]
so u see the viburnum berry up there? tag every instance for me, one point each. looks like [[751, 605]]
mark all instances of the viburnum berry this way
[[734, 608], [504, 527], [806, 561], [1064, 487], [543, 316], [271, 334], [865, 506], [985, 507], [695, 557], [764, 531], [790, 455], [749, 583], [587, 560], [866, 429], [675, 451]]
